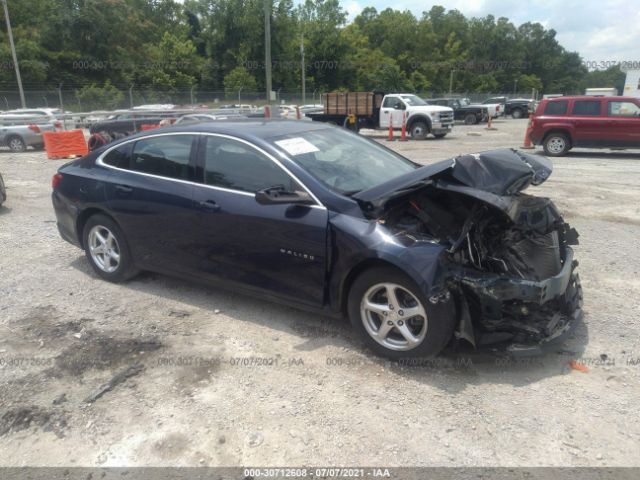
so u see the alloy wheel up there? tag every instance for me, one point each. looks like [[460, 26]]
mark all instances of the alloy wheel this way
[[104, 249], [16, 145], [393, 316]]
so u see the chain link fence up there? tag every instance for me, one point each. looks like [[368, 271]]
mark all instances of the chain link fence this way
[[73, 100]]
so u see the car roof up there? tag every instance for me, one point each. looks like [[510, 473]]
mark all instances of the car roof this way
[[589, 97], [248, 128]]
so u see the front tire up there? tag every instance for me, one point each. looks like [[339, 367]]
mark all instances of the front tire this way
[[517, 113], [395, 320], [106, 249], [419, 130], [556, 144]]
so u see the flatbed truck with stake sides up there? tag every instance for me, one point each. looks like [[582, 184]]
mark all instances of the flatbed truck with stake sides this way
[[356, 110]]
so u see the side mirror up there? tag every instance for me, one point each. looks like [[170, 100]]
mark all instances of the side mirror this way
[[280, 196]]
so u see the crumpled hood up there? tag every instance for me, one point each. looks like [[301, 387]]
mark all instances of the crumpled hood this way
[[503, 172]]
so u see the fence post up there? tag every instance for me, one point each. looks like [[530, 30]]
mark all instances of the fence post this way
[[131, 96]]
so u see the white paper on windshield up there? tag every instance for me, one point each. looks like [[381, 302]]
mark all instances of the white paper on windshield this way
[[297, 146]]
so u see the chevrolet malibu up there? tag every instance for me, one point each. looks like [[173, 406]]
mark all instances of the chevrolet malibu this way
[[323, 219]]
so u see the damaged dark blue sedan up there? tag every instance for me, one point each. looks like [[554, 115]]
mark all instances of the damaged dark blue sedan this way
[[324, 219]]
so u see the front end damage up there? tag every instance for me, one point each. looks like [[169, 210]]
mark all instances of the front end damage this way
[[509, 266]]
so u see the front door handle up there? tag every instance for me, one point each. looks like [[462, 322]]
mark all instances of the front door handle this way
[[210, 206], [123, 190]]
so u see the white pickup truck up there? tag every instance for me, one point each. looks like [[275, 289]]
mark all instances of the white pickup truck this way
[[494, 109], [377, 110]]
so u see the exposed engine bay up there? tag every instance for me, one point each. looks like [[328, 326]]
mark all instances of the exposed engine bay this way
[[509, 265]]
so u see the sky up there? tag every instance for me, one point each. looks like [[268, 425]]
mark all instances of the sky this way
[[599, 30]]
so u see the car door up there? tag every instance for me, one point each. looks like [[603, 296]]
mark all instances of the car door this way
[[392, 110], [150, 194], [622, 125], [280, 249], [589, 123]]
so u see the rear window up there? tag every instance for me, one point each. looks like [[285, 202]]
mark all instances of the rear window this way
[[556, 108], [165, 156], [586, 108], [119, 156]]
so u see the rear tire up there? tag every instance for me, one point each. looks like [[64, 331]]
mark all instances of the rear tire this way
[[3, 191], [106, 249], [16, 144], [517, 113], [470, 119], [395, 333], [556, 144], [439, 135]]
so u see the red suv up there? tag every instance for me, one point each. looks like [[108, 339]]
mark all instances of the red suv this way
[[561, 123]]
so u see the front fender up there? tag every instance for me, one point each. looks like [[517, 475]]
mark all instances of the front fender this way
[[358, 243], [418, 117]]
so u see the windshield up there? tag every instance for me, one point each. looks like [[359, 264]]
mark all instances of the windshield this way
[[344, 162], [464, 102], [413, 100]]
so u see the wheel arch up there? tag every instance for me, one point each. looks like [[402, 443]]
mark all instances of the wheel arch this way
[[84, 216], [14, 135], [564, 131], [357, 270], [419, 118]]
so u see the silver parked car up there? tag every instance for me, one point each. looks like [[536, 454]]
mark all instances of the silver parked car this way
[[21, 131]]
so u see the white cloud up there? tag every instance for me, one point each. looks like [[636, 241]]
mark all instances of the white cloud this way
[[352, 8], [600, 30]]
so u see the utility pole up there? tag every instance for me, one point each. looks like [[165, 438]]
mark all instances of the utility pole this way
[[451, 82], [60, 97], [267, 47], [13, 54], [304, 93]]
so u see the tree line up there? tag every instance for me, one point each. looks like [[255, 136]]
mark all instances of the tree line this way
[[102, 47]]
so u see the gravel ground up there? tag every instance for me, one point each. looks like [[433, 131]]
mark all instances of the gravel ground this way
[[230, 380]]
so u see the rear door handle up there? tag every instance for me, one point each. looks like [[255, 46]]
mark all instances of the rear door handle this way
[[210, 206]]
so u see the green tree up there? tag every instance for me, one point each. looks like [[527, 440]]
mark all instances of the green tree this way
[[239, 78], [94, 97]]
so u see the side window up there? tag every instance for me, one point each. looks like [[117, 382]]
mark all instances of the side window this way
[[119, 157], [166, 156], [234, 165], [389, 102], [556, 108], [624, 109], [587, 108]]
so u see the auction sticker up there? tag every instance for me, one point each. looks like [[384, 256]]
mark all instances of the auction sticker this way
[[297, 146]]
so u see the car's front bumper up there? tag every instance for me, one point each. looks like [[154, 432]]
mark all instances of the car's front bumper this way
[[441, 127], [530, 314]]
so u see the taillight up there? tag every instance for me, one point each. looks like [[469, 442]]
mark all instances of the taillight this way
[[56, 180], [57, 124], [497, 108], [34, 128]]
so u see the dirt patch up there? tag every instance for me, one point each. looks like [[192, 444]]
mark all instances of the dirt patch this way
[[103, 352], [23, 418]]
